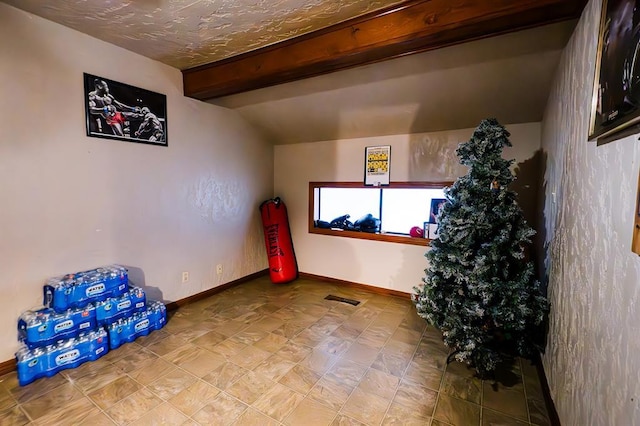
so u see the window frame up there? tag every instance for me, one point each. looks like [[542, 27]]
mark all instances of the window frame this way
[[390, 238]]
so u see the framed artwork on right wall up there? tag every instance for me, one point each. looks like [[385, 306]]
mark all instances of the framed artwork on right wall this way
[[635, 246]]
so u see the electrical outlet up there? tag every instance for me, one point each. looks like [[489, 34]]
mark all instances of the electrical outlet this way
[[219, 269], [185, 277]]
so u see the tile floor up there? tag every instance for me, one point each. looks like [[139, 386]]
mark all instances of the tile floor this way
[[265, 354]]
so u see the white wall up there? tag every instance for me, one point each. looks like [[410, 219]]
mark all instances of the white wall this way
[[70, 202], [415, 157], [592, 361]]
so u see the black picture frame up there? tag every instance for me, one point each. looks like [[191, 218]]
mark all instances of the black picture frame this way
[[123, 112], [615, 109], [435, 207]]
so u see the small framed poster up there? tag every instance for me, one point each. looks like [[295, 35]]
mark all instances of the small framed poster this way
[[436, 204], [377, 160]]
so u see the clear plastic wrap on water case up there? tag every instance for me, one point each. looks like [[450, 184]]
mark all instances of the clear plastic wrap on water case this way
[[77, 290]]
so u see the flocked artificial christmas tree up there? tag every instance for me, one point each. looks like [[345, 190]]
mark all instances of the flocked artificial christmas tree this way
[[479, 288]]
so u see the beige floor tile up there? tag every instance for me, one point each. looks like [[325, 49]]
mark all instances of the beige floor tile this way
[[278, 402], [134, 406], [253, 417], [399, 415], [365, 407], [222, 410], [166, 345], [249, 337], [342, 420], [310, 412], [225, 375], [347, 332], [374, 337], [507, 400], [6, 400], [300, 379], [361, 353], [209, 340], [424, 375], [494, 418], [151, 370], [250, 356], [52, 400], [134, 360], [250, 387], [331, 392], [13, 416], [228, 349], [171, 384], [347, 372], [294, 352], [538, 412], [309, 337], [342, 359], [193, 398], [163, 414], [457, 412], [34, 389], [195, 360], [389, 362], [98, 419], [318, 361], [378, 383], [274, 367], [229, 328], [334, 345], [74, 413], [267, 323], [114, 392], [460, 387], [419, 398], [271, 342]]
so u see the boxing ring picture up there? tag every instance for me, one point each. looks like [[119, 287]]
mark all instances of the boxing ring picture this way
[[615, 108], [122, 112]]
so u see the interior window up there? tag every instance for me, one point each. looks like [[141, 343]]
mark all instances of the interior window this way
[[386, 213]]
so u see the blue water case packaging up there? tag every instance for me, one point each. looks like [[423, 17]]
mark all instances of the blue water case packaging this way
[[46, 326], [115, 308], [139, 324], [46, 361], [79, 289]]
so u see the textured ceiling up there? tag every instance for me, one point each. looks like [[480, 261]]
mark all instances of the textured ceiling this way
[[187, 33]]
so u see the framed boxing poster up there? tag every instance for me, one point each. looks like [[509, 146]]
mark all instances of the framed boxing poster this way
[[615, 106], [119, 111], [635, 245]]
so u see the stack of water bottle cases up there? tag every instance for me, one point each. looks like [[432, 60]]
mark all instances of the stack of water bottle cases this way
[[85, 315]]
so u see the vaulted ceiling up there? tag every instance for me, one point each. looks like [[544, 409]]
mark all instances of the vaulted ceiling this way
[[318, 69]]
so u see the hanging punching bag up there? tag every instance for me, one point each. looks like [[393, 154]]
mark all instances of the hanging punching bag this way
[[277, 237]]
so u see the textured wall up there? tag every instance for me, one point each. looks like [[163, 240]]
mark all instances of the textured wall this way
[[70, 202], [420, 156], [592, 360]]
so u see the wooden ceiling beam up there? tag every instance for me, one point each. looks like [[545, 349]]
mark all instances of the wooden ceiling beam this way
[[411, 27]]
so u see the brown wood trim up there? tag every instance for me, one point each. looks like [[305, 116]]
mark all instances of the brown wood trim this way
[[373, 289], [7, 366], [411, 27], [172, 306], [389, 238]]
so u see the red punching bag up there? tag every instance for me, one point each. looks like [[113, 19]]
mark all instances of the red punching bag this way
[[277, 237]]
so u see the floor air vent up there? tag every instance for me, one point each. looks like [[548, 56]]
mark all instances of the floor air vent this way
[[343, 299]]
